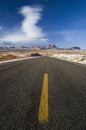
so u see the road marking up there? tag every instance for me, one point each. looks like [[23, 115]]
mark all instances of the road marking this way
[[43, 107]]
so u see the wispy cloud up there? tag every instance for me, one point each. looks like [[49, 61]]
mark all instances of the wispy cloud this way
[[71, 38], [66, 35], [29, 31], [0, 27]]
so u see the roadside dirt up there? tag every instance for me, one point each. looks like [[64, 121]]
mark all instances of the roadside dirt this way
[[7, 57]]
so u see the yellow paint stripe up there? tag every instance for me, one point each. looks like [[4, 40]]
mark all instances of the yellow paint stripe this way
[[43, 107]]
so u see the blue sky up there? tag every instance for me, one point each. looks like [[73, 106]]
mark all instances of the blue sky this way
[[60, 22]]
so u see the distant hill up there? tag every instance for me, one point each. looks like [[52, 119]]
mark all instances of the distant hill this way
[[36, 47], [50, 46], [8, 45], [74, 48]]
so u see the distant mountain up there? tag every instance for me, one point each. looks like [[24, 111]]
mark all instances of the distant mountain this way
[[36, 47], [50, 46], [74, 48], [8, 45]]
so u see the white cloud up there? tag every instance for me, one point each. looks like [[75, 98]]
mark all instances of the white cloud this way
[[29, 31]]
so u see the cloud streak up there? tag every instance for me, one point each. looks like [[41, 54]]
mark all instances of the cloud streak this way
[[0, 28], [29, 31]]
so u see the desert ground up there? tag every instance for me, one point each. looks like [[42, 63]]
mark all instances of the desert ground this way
[[70, 55]]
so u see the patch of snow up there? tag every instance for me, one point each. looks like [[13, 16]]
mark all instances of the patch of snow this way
[[71, 57]]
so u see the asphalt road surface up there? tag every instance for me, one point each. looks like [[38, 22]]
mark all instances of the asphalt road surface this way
[[21, 85]]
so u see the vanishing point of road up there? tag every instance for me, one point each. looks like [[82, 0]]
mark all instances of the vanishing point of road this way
[[42, 94]]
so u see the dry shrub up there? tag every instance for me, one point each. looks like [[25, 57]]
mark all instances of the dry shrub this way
[[8, 57]]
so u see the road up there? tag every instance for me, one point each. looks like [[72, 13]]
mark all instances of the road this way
[[25, 86]]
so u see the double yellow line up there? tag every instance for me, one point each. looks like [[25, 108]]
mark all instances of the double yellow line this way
[[43, 107]]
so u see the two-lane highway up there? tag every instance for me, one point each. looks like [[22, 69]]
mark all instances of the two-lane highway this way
[[42, 94]]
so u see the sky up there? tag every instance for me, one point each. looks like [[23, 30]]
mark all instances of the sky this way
[[43, 22]]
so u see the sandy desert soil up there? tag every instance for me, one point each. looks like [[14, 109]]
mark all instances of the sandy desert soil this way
[[13, 54]]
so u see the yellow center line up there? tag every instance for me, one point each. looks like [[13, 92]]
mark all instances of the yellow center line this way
[[43, 107]]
